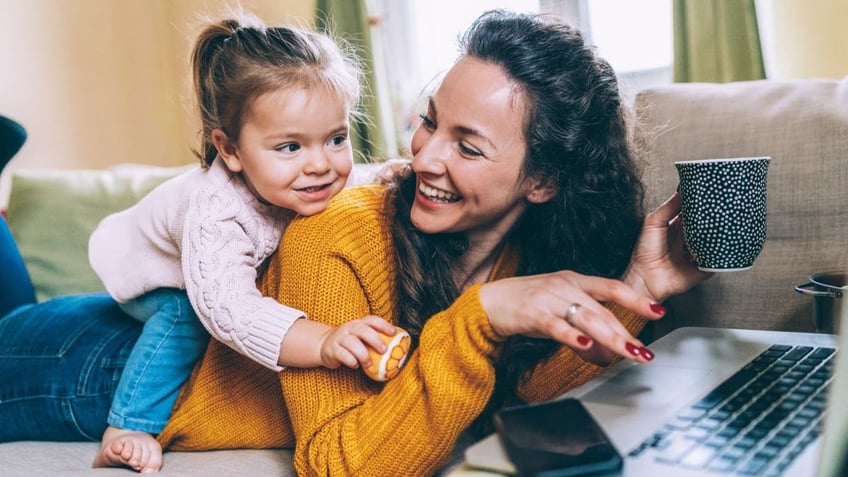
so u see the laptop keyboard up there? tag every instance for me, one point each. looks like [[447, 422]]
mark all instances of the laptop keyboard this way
[[755, 422]]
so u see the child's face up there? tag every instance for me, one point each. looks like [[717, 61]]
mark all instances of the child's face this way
[[293, 150]]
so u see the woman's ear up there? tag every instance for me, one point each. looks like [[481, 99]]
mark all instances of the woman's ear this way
[[542, 191], [227, 150]]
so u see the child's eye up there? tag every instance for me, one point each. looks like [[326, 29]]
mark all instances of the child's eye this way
[[338, 140], [427, 122], [289, 147]]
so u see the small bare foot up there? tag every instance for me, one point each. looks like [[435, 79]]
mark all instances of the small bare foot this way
[[123, 448]]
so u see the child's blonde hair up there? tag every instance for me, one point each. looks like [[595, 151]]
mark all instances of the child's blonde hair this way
[[236, 60]]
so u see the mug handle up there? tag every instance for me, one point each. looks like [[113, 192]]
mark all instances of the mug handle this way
[[805, 290]]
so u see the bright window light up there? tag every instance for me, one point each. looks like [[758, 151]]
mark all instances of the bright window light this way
[[632, 36], [438, 24]]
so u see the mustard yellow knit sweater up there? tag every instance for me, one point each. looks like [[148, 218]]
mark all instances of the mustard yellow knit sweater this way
[[337, 266]]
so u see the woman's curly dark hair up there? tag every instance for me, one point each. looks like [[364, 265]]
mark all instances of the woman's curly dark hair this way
[[577, 140]]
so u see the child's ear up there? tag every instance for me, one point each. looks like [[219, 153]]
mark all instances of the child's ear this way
[[227, 150], [541, 192]]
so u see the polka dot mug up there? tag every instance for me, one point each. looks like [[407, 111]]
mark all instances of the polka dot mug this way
[[724, 210]]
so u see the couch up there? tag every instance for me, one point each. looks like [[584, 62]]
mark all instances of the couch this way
[[801, 124]]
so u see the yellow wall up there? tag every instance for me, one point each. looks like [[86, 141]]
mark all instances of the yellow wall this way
[[100, 82], [810, 38]]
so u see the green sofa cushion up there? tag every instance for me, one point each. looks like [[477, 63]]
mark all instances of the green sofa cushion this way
[[52, 213]]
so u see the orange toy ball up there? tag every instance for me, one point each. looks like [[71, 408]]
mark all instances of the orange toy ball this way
[[386, 366]]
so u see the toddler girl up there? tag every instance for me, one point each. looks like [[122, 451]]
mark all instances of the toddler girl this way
[[275, 105]]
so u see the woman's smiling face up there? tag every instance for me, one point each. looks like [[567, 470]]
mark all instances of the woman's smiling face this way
[[468, 154]]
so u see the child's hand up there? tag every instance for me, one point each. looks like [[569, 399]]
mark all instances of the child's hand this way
[[393, 168], [348, 343]]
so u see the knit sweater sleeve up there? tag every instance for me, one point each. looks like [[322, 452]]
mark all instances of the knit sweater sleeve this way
[[344, 423], [223, 244]]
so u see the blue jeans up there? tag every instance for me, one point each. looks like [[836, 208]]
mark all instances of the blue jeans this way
[[60, 362], [161, 361], [15, 284]]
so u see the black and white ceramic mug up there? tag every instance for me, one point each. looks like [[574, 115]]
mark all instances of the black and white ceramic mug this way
[[724, 210]]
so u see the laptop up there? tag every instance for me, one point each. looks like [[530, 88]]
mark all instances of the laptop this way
[[683, 414]]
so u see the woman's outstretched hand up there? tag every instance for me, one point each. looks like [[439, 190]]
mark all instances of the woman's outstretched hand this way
[[566, 306], [661, 265]]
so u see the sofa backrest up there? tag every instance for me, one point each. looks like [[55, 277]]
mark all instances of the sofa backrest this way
[[52, 213], [803, 125]]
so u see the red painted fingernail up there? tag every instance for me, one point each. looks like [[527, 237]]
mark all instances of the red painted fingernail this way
[[648, 354], [657, 308], [632, 349], [583, 340]]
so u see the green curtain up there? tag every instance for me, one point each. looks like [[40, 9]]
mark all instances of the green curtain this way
[[716, 41], [348, 19]]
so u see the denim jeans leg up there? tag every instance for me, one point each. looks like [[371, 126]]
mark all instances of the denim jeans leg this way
[[171, 343], [16, 287], [60, 362]]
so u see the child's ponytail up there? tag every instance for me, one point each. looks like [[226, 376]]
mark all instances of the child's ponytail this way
[[206, 48]]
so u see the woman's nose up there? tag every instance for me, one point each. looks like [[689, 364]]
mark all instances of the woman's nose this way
[[431, 156]]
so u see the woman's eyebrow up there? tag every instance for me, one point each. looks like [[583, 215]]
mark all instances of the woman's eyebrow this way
[[463, 130], [468, 131]]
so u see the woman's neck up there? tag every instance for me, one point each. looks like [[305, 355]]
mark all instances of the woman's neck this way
[[476, 264]]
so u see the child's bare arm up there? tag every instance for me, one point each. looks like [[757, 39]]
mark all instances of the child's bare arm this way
[[310, 343]]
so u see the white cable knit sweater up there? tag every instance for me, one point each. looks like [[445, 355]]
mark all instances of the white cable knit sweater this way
[[205, 232]]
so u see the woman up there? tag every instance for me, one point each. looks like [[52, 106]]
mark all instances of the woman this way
[[497, 252]]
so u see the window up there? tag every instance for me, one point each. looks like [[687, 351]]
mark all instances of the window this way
[[635, 37], [419, 39]]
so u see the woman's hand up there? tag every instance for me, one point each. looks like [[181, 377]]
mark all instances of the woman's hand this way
[[566, 306], [661, 264]]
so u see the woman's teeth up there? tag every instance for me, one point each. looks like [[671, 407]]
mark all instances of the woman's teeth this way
[[437, 194]]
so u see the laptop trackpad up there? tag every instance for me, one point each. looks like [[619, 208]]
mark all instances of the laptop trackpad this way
[[647, 386]]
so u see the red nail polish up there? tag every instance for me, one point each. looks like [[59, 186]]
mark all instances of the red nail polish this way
[[632, 349], [583, 340], [648, 354], [657, 308]]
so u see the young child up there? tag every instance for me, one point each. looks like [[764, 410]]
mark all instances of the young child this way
[[275, 105]]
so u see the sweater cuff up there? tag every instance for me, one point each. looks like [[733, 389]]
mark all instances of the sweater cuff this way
[[268, 331], [470, 311]]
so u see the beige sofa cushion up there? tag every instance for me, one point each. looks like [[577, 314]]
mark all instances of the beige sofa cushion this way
[[71, 459], [803, 126]]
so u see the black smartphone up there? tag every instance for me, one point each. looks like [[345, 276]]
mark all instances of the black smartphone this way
[[556, 439]]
